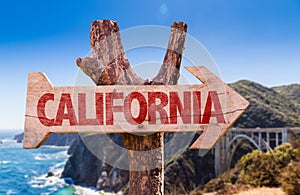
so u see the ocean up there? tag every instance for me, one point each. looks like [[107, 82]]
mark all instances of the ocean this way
[[25, 171]]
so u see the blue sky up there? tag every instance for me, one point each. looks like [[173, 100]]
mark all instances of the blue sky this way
[[257, 40]]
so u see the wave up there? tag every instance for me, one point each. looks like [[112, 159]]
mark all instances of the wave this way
[[82, 190], [44, 181], [59, 186], [10, 143], [53, 181], [55, 147], [79, 190], [9, 192], [8, 139], [58, 168], [3, 162], [58, 155]]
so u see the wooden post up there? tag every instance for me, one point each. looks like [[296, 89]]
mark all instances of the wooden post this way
[[108, 65]]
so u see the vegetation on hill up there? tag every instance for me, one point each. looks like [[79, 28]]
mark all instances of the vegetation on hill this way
[[292, 91], [268, 107], [279, 168]]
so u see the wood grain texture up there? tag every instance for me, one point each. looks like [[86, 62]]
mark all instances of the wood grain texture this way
[[232, 104], [108, 64]]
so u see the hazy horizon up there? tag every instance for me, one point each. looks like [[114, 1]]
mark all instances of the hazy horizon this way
[[9, 133]]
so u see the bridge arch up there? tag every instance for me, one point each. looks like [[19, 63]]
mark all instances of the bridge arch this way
[[245, 137], [230, 151], [263, 139]]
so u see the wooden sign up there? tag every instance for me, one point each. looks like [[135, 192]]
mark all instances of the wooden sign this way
[[211, 107]]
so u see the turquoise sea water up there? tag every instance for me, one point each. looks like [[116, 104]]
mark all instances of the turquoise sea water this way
[[25, 171]]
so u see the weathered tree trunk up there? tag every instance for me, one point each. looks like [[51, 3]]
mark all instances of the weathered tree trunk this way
[[151, 181], [108, 65]]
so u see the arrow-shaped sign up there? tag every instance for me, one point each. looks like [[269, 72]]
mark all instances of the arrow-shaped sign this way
[[212, 108]]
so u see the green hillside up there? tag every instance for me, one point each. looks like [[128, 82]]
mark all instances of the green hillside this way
[[291, 91], [269, 107]]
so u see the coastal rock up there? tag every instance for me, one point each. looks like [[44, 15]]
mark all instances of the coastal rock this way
[[19, 137], [61, 139], [86, 169], [73, 146], [188, 171], [50, 174], [80, 166], [54, 139]]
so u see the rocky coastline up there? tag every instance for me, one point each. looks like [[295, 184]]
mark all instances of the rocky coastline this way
[[183, 171]]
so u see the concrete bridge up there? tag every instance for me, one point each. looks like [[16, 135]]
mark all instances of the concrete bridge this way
[[263, 139]]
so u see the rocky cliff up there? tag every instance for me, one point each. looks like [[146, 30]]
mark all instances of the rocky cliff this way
[[85, 168]]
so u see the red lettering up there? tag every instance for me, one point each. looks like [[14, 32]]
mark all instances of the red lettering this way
[[218, 113], [82, 111], [99, 107], [153, 108], [65, 102], [135, 107], [143, 108], [41, 109], [110, 108], [197, 107], [175, 105]]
